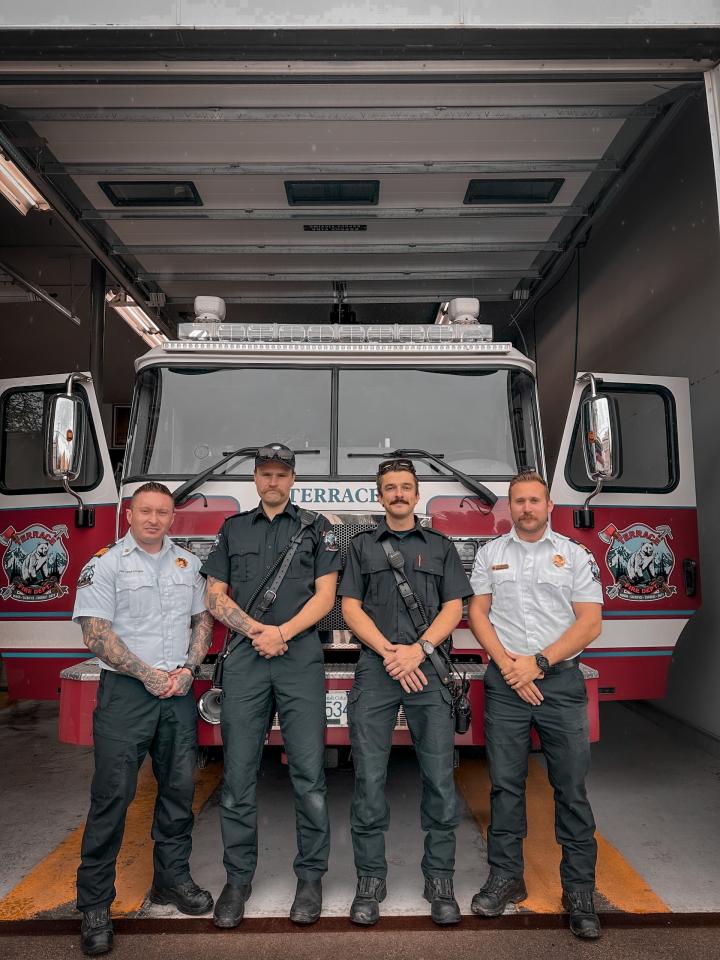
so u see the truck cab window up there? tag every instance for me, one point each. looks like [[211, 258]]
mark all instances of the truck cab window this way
[[23, 416], [647, 442], [481, 421], [184, 419]]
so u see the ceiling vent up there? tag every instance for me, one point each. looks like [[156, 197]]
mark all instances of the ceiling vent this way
[[151, 193], [328, 193], [531, 190]]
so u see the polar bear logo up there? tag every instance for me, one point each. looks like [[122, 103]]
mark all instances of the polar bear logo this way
[[641, 565], [35, 564]]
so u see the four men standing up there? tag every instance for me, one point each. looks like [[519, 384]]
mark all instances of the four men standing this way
[[271, 577]]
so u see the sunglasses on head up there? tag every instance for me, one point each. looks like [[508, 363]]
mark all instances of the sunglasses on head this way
[[400, 463], [270, 453]]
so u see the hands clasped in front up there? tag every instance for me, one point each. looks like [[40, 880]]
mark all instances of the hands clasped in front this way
[[520, 673], [402, 662]]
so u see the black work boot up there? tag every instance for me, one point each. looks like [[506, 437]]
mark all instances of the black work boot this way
[[187, 896], [497, 893], [230, 906], [308, 902], [96, 932], [584, 921], [441, 896], [365, 908]]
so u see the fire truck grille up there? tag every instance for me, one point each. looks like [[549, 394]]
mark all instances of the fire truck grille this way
[[346, 526]]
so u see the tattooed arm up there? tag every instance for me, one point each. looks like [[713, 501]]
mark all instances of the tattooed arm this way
[[201, 625], [226, 610], [100, 639]]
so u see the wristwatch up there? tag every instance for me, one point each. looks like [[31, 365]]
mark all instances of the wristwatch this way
[[542, 662], [194, 669], [427, 648]]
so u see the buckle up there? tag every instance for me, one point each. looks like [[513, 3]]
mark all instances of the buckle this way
[[270, 596]]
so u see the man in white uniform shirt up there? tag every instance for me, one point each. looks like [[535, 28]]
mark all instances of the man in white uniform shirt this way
[[537, 605], [141, 606]]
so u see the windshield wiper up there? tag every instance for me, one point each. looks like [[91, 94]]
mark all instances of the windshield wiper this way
[[474, 486], [185, 489]]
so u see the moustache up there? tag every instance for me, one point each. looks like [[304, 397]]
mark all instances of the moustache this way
[[399, 501]]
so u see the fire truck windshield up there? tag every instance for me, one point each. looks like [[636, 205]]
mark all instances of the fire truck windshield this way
[[186, 418]]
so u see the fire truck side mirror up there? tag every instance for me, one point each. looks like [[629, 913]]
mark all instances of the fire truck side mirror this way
[[65, 437], [65, 446], [599, 425]]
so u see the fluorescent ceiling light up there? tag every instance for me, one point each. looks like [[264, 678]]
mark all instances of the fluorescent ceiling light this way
[[136, 318], [16, 188]]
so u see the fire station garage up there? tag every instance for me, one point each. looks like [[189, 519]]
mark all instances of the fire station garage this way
[[478, 239]]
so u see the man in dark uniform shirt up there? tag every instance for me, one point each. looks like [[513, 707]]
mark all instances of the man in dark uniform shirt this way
[[389, 674], [279, 664]]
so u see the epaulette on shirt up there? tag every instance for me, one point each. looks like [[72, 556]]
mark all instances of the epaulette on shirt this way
[[103, 550], [438, 533], [243, 513]]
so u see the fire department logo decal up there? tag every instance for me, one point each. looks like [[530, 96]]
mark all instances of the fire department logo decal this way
[[640, 561], [34, 562]]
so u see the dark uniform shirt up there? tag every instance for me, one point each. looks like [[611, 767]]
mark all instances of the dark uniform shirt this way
[[248, 545], [432, 568]]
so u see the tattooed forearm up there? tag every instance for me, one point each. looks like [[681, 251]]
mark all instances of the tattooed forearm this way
[[202, 627], [100, 640], [224, 609]]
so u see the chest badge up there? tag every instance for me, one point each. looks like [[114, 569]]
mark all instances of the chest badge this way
[[559, 560], [181, 562]]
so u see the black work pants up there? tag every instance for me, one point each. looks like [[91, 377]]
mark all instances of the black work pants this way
[[562, 723], [252, 688], [373, 705], [129, 722]]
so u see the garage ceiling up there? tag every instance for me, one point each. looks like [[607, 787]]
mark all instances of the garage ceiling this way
[[238, 139]]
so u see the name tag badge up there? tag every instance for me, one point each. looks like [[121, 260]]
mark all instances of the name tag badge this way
[[500, 566]]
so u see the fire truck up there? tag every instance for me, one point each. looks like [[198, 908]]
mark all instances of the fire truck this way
[[344, 397]]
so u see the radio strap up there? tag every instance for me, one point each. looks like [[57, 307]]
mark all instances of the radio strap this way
[[414, 608]]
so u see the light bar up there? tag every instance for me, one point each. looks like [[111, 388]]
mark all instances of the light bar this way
[[231, 346], [136, 318], [16, 188], [334, 333]]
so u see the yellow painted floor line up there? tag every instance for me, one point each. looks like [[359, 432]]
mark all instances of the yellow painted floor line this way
[[51, 884], [617, 881]]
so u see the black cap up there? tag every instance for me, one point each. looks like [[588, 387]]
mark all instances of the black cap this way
[[275, 453]]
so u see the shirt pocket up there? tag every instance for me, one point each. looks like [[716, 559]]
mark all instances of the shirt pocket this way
[[504, 584], [380, 579], [183, 583], [135, 594], [555, 588], [245, 562], [302, 565], [427, 575]]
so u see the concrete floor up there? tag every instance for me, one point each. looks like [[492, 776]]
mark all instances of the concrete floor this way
[[460, 944], [654, 789]]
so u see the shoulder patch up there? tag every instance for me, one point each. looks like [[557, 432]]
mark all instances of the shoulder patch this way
[[330, 541], [86, 575], [590, 556]]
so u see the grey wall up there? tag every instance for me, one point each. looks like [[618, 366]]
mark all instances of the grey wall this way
[[650, 304]]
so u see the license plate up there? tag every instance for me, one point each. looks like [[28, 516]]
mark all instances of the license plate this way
[[336, 708]]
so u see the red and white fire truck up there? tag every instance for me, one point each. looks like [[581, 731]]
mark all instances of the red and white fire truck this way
[[344, 397]]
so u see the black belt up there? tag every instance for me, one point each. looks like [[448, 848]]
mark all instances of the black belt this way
[[556, 667]]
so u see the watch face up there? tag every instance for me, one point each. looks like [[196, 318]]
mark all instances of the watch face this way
[[542, 662], [428, 647]]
